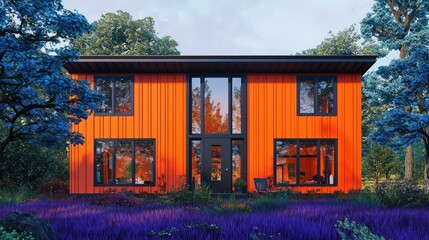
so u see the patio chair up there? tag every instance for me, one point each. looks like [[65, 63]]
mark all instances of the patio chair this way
[[261, 185]]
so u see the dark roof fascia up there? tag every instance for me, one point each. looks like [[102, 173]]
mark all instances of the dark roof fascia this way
[[232, 58], [218, 63]]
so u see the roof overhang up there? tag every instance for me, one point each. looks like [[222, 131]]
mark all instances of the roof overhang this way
[[221, 64]]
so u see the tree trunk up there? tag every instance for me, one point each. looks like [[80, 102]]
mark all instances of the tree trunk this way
[[408, 163], [426, 174], [403, 52]]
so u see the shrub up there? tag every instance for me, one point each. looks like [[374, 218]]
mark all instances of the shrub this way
[[29, 166], [401, 193], [365, 197], [183, 194], [114, 198], [352, 230], [13, 235], [20, 195], [54, 188]]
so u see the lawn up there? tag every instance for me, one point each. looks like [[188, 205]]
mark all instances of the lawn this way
[[261, 218]]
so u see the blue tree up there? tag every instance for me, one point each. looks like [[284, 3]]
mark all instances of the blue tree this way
[[407, 118], [38, 100], [399, 25]]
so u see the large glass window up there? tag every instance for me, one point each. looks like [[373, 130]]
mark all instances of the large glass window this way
[[317, 95], [124, 162], [216, 105], [118, 95], [305, 162]]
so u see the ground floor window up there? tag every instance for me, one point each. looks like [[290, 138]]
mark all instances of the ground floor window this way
[[125, 162], [305, 162]]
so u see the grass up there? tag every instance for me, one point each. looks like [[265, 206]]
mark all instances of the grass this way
[[261, 218]]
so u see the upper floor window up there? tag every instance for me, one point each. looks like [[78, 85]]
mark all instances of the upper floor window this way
[[125, 162], [217, 105], [118, 91], [317, 95]]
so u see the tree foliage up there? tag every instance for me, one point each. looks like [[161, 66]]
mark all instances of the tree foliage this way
[[398, 24], [381, 161], [118, 34], [38, 100], [346, 42], [407, 119]]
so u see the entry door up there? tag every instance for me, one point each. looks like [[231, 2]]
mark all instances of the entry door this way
[[217, 164]]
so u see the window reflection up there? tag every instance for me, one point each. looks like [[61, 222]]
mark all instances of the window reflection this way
[[104, 86], [196, 105], [316, 160], [308, 162], [124, 162], [317, 95], [117, 93], [144, 154], [286, 159], [216, 105], [327, 161], [216, 161], [306, 96], [123, 158], [325, 96], [236, 105], [236, 159], [104, 162], [196, 162], [123, 95]]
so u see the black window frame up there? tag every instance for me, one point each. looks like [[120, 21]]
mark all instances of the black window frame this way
[[298, 161], [316, 80], [230, 133], [133, 162], [114, 78]]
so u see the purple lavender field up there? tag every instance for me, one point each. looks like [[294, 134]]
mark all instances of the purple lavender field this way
[[313, 219]]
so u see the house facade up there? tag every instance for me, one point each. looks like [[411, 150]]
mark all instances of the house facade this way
[[173, 120]]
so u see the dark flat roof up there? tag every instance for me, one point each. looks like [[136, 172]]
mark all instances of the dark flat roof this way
[[222, 64]]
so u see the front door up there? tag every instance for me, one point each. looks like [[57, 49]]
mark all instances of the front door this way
[[217, 164]]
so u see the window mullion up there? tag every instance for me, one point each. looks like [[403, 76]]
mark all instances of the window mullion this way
[[202, 107], [133, 163], [113, 95], [316, 102], [114, 163], [298, 161], [319, 180]]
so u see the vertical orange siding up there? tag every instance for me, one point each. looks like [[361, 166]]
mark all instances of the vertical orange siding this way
[[272, 113], [159, 113]]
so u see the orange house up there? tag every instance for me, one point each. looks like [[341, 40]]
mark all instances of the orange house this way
[[213, 119]]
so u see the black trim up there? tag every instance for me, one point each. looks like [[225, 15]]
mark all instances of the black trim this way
[[222, 64], [298, 158], [133, 162], [202, 136], [114, 78], [316, 79]]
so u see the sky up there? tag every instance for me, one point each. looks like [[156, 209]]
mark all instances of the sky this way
[[238, 27]]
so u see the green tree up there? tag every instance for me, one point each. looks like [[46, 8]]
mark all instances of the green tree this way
[[346, 42], [399, 25], [118, 34], [381, 161]]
